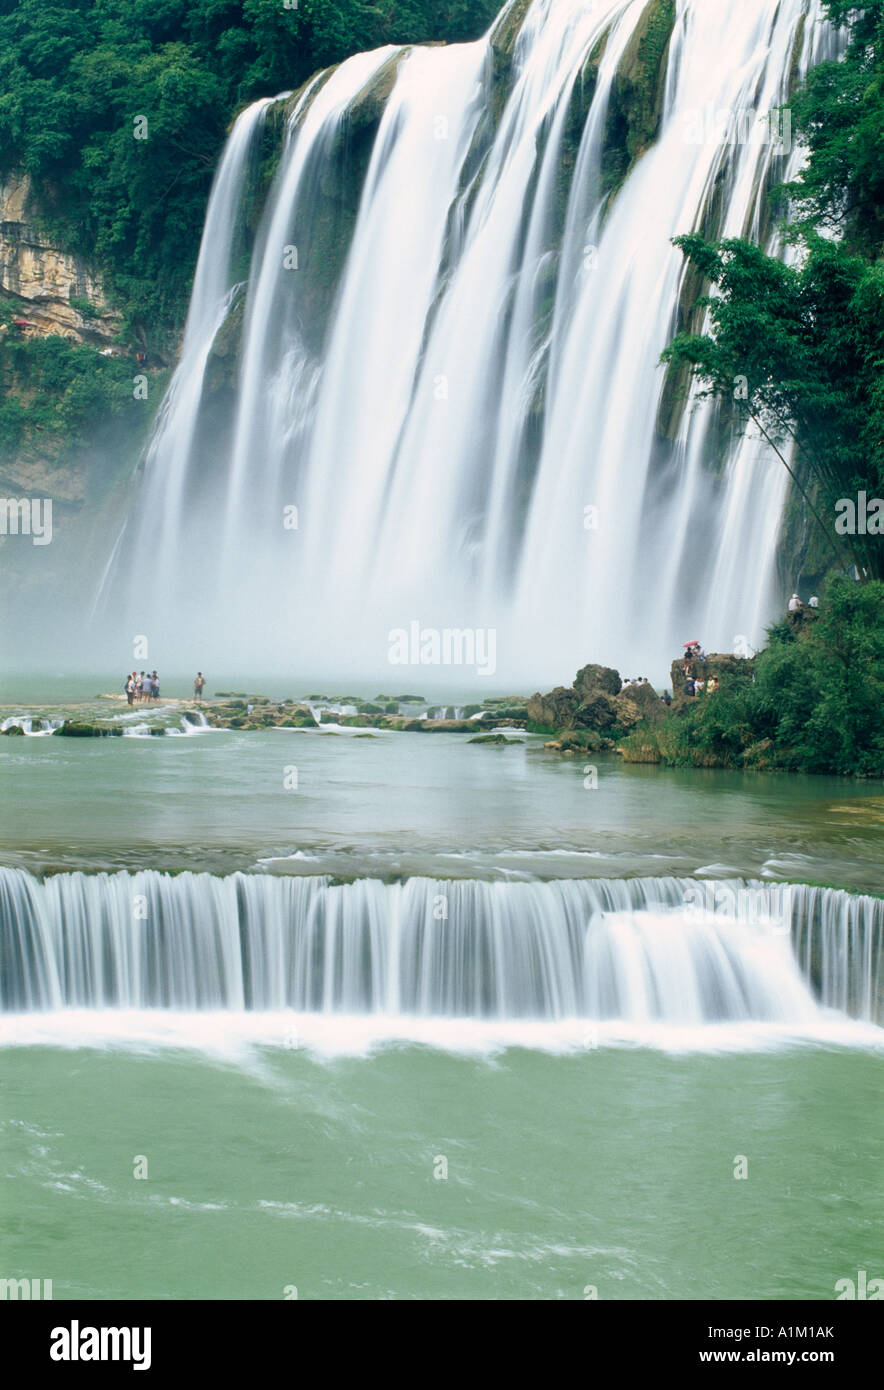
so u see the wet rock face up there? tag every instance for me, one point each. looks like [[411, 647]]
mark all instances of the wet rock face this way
[[596, 704], [46, 278], [590, 678], [598, 711], [641, 701], [637, 92], [555, 710], [593, 704]]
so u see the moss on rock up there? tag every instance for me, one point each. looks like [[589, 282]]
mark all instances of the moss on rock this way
[[636, 102]]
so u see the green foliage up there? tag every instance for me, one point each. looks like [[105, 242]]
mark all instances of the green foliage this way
[[84, 307], [57, 391], [816, 703], [74, 75], [799, 350], [13, 424], [839, 114]]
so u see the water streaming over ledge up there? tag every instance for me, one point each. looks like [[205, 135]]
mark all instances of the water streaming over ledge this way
[[647, 951], [486, 365]]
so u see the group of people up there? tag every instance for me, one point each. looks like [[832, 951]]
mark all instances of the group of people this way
[[693, 686], [693, 652], [795, 604], [145, 685], [142, 685], [639, 680]]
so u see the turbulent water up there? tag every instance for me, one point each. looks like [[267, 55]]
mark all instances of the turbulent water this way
[[461, 423]]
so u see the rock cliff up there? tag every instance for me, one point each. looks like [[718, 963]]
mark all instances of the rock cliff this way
[[55, 291]]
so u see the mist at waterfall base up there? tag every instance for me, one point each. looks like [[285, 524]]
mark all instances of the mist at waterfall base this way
[[459, 425]]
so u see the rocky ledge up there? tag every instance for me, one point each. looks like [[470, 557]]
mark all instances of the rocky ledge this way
[[56, 291], [595, 711]]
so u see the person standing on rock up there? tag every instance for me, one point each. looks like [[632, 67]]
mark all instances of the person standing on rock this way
[[198, 684]]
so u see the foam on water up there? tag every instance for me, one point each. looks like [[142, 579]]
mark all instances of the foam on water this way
[[240, 1038]]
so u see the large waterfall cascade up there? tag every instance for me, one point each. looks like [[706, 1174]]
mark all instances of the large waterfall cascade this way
[[446, 403], [653, 950]]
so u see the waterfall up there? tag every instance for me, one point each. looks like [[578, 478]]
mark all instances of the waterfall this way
[[447, 404], [640, 951], [156, 527]]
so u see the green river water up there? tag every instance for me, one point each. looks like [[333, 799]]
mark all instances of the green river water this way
[[274, 1168]]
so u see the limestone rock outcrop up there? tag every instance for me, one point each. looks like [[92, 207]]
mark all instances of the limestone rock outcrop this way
[[48, 281], [596, 704], [591, 678], [555, 710]]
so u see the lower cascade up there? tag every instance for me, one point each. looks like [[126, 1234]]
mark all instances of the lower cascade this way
[[668, 950]]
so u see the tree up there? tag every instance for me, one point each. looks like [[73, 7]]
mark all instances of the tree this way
[[799, 352]]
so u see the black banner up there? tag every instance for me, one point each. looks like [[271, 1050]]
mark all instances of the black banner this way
[[86, 1339]]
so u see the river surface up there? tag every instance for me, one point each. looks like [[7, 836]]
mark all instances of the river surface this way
[[614, 1170], [392, 804], [406, 1169]]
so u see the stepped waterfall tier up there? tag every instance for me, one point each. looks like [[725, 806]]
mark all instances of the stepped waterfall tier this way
[[637, 950], [420, 373]]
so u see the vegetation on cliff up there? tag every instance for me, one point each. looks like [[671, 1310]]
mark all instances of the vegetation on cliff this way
[[813, 703], [52, 393], [636, 100], [75, 76]]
